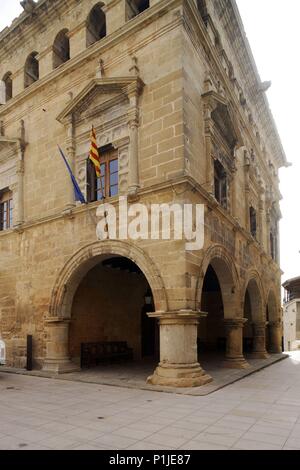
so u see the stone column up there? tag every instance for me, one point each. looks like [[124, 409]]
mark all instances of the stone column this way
[[20, 199], [115, 13], [77, 39], [133, 151], [18, 81], [71, 151], [259, 341], [178, 366], [134, 90], [57, 347], [133, 158], [275, 335], [19, 218], [247, 188], [45, 59], [234, 343], [233, 197], [261, 219], [2, 92]]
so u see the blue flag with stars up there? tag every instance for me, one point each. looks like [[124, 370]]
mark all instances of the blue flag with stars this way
[[77, 192]]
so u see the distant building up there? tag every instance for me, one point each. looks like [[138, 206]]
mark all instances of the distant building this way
[[291, 314]]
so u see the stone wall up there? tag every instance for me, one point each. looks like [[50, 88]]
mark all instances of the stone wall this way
[[168, 49]]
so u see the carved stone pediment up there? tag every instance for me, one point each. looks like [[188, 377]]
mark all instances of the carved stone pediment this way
[[223, 118], [101, 94]]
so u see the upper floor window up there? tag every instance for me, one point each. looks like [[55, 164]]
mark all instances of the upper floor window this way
[[201, 5], [273, 245], [31, 70], [221, 184], [8, 84], [135, 7], [108, 184], [61, 49], [6, 210], [96, 25], [253, 223]]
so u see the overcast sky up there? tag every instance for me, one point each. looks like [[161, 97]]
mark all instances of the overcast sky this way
[[272, 28]]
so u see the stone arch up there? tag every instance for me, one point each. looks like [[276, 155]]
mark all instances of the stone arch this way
[[135, 7], [86, 258], [225, 269], [61, 48], [253, 285], [31, 70], [95, 24]]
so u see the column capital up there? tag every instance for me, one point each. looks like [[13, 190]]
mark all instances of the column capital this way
[[178, 317], [275, 324], [235, 322], [133, 117], [259, 324]]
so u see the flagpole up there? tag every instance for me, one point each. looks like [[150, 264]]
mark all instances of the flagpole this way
[[103, 196], [101, 184]]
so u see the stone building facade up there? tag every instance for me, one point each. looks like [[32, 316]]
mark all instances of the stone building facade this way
[[175, 98]]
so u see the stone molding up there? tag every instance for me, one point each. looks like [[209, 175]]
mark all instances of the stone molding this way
[[95, 50], [180, 317], [235, 322], [228, 82]]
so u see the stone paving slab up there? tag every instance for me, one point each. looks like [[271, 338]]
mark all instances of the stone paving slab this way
[[134, 375], [257, 412]]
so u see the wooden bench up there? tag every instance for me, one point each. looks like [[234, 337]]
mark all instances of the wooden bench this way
[[92, 354]]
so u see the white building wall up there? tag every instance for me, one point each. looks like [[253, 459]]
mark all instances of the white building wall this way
[[291, 342]]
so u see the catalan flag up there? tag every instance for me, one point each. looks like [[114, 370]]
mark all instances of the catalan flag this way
[[94, 154]]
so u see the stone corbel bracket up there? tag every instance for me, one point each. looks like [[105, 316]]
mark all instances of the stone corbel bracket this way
[[213, 100]]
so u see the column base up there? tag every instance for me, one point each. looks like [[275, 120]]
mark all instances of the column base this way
[[179, 375], [259, 355], [236, 363], [274, 351], [60, 366]]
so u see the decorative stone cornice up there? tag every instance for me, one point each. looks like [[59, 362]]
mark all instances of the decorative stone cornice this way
[[230, 83], [28, 18], [95, 50]]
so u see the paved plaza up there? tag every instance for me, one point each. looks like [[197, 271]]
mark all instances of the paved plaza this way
[[261, 411]]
